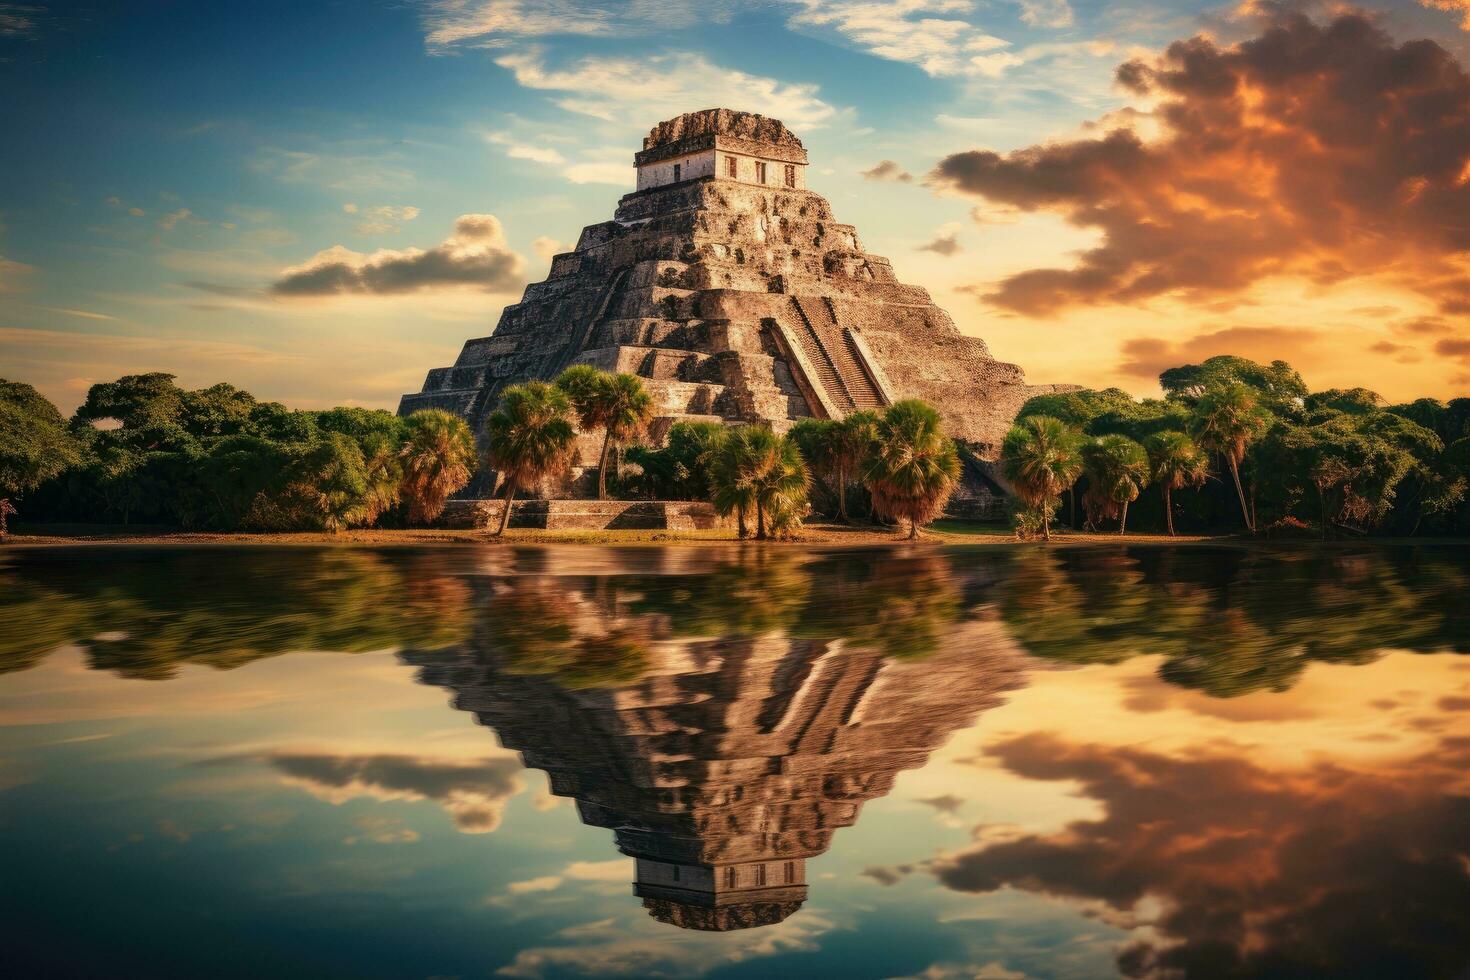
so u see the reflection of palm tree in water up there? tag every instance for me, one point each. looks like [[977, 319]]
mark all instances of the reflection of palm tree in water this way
[[735, 753]]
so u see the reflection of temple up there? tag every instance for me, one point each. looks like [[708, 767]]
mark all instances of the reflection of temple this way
[[731, 761]]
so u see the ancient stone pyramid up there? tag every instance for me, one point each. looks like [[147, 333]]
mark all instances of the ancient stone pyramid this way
[[731, 760], [730, 288]]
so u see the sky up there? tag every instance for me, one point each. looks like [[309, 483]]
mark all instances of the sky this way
[[319, 200]]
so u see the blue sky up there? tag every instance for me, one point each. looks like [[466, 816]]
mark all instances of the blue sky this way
[[165, 162]]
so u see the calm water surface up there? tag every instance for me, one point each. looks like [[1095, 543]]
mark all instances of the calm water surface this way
[[548, 762]]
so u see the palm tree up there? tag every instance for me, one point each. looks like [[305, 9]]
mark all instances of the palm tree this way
[[381, 456], [851, 443], [780, 483], [1175, 462], [331, 480], [914, 467], [530, 435], [732, 462], [1117, 469], [1227, 418], [627, 410], [1040, 457], [438, 458], [618, 404]]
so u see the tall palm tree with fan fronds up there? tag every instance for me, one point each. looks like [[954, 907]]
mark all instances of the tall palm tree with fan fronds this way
[[531, 437], [436, 459], [914, 466], [1040, 457], [1175, 461], [1227, 419]]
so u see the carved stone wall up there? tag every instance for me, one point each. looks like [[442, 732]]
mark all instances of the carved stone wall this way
[[711, 290]]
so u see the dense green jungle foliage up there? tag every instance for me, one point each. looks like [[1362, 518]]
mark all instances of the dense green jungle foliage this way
[[1238, 445], [142, 449], [1232, 445]]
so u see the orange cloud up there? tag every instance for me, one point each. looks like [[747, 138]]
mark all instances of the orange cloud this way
[[1227, 868], [1323, 151], [1461, 7]]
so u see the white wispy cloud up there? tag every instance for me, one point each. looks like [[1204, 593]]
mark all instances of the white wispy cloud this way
[[1046, 13], [645, 90], [605, 948], [490, 23], [84, 314], [520, 150], [449, 24], [939, 36], [927, 33], [180, 216], [381, 218]]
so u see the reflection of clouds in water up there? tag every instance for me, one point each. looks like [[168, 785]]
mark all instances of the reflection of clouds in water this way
[[887, 875], [946, 809], [381, 830], [640, 947], [474, 792], [619, 870], [1319, 870], [964, 971]]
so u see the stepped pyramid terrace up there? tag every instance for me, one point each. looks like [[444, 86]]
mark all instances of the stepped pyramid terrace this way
[[721, 764], [733, 291]]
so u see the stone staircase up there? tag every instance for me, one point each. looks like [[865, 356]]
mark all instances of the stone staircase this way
[[816, 356], [866, 395], [833, 356], [610, 293]]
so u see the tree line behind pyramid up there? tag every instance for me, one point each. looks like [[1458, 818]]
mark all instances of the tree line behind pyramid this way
[[723, 337], [1232, 446]]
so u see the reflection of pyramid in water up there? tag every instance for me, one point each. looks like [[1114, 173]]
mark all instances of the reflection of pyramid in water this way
[[732, 761]]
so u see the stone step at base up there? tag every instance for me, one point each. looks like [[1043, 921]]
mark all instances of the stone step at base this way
[[585, 515]]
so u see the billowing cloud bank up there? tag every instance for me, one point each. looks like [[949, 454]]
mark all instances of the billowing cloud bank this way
[[475, 255], [1326, 151], [1226, 868], [473, 791]]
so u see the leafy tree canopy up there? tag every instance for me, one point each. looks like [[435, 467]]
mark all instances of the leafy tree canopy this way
[[34, 442], [1280, 386]]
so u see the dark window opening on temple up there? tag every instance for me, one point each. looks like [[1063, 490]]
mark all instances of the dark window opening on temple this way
[[790, 175], [677, 168], [790, 872], [730, 167], [729, 877], [760, 173], [760, 875], [676, 872]]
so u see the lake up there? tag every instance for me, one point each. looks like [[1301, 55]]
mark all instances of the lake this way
[[720, 761]]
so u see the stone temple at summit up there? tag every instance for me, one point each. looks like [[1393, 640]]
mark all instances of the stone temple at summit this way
[[731, 289]]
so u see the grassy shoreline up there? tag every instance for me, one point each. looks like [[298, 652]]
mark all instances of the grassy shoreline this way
[[944, 533]]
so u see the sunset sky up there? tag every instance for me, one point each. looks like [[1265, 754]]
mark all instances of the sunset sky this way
[[1099, 190]]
